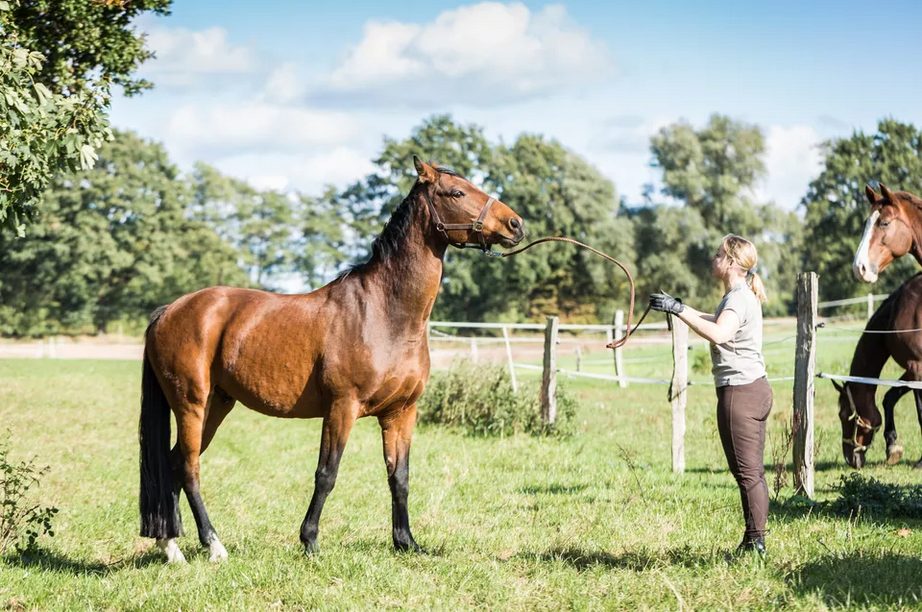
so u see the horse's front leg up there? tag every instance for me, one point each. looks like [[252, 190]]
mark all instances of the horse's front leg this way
[[336, 428], [894, 450], [397, 433]]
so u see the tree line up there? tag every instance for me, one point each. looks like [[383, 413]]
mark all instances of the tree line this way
[[113, 242]]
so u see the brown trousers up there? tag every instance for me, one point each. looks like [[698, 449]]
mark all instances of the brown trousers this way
[[741, 414]]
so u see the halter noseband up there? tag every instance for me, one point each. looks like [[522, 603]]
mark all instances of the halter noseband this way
[[860, 421], [475, 227]]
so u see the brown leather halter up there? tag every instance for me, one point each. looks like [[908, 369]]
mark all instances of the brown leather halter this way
[[474, 227], [860, 421]]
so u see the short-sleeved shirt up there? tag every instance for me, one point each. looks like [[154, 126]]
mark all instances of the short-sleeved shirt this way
[[739, 361]]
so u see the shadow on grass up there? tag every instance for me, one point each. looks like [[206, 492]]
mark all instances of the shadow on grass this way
[[864, 579], [637, 560], [51, 561], [553, 489]]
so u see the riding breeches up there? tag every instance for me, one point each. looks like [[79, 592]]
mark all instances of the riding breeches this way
[[741, 414]]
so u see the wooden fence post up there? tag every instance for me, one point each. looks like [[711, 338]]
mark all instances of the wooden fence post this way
[[515, 384], [619, 352], [804, 386], [549, 379], [678, 388]]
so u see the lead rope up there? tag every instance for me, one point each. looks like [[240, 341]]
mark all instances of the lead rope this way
[[630, 313]]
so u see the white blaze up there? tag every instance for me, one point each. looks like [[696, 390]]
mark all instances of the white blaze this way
[[862, 263]]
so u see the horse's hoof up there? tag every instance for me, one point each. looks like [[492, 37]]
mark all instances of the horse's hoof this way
[[918, 465], [171, 549], [894, 454], [311, 548], [409, 547], [217, 552]]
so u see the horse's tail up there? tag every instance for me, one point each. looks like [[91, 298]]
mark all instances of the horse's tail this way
[[159, 499]]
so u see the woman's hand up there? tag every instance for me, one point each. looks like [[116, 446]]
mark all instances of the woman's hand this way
[[663, 302]]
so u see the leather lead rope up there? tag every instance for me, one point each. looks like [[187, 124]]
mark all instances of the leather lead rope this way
[[630, 313]]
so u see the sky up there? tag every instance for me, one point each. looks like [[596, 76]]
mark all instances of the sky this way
[[297, 95]]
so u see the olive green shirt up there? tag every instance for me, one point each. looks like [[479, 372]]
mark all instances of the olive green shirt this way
[[739, 361]]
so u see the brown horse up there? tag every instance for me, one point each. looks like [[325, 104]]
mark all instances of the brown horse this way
[[893, 229], [353, 348], [858, 411]]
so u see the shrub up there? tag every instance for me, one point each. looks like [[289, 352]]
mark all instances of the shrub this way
[[22, 521], [871, 497], [479, 400]]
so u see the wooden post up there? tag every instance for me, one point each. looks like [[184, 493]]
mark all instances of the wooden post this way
[[549, 379], [619, 352], [579, 358], [804, 388], [678, 388], [515, 384], [474, 355], [870, 305]]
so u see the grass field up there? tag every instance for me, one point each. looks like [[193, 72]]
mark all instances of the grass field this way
[[594, 521]]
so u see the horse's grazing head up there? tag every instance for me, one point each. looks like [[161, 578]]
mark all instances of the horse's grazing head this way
[[860, 420], [463, 214], [888, 233]]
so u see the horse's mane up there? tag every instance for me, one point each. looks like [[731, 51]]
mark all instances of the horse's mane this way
[[392, 237]]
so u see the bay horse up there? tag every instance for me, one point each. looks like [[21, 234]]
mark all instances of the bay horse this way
[[356, 347], [858, 412], [893, 228]]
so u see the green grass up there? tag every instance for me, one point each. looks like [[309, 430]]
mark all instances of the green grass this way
[[597, 520]]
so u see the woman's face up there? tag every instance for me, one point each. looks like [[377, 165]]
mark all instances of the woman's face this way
[[720, 265]]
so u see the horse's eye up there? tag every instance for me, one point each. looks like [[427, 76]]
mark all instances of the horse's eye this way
[[883, 223], [456, 193]]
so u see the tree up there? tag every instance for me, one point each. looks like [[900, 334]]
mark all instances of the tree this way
[[110, 244], [552, 188], [712, 172], [836, 208], [58, 59]]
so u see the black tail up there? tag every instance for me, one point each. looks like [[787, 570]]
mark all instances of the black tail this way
[[159, 499]]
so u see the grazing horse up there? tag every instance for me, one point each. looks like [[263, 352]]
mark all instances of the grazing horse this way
[[893, 229], [353, 348], [858, 411]]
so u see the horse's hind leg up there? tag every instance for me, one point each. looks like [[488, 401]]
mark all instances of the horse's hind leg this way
[[336, 428], [894, 450], [397, 433], [196, 427]]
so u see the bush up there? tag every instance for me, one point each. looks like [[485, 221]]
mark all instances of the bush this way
[[871, 497], [22, 522], [480, 401]]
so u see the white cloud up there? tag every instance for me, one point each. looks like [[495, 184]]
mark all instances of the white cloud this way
[[209, 130], [183, 56], [792, 160], [307, 173], [481, 53], [284, 84]]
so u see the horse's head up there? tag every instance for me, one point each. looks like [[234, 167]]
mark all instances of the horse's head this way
[[860, 420], [888, 233], [463, 214]]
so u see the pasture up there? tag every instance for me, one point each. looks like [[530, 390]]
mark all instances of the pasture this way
[[594, 521]]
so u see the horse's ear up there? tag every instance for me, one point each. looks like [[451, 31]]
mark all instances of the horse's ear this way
[[872, 195], [427, 174], [884, 191]]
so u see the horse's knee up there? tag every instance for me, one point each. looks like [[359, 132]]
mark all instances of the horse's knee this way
[[324, 479]]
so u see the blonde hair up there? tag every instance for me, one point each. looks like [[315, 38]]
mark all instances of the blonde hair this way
[[743, 253]]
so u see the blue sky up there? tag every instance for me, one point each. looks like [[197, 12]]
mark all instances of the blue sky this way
[[298, 95]]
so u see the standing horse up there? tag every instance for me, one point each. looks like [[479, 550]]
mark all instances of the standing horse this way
[[858, 411], [353, 348], [893, 229]]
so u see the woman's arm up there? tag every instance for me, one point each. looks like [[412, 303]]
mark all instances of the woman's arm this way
[[714, 331]]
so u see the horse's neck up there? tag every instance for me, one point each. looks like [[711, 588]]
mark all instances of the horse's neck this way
[[410, 277], [871, 352], [916, 248]]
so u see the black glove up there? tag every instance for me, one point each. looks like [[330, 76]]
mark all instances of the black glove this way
[[663, 302]]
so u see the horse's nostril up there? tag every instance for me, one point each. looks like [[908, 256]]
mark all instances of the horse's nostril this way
[[515, 224]]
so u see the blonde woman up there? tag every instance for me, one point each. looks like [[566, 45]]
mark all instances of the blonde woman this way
[[744, 397]]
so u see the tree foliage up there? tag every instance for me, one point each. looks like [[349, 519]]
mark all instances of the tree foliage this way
[[711, 172], [552, 188], [835, 207], [58, 59]]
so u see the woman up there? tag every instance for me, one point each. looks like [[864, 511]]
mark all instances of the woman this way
[[744, 397]]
